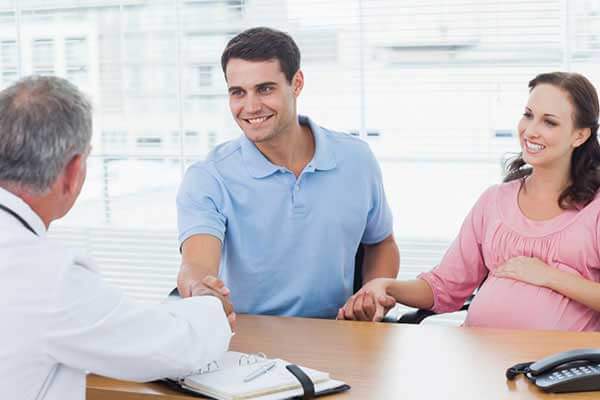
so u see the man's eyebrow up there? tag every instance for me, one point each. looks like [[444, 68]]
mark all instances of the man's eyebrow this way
[[262, 84], [232, 88]]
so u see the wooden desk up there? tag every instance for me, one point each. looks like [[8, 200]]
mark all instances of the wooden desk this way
[[388, 361]]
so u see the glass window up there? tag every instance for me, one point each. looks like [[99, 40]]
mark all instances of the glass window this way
[[76, 52], [8, 52], [436, 89], [202, 76], [8, 77], [43, 56]]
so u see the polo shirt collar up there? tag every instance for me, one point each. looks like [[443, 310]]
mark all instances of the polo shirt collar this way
[[324, 158], [21, 208], [260, 167]]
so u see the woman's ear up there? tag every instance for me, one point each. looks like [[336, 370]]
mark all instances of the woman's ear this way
[[581, 136]]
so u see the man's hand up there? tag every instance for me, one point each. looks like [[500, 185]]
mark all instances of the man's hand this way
[[370, 303], [189, 282], [213, 283], [207, 286]]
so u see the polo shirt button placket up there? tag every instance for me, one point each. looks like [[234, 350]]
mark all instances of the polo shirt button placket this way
[[299, 207]]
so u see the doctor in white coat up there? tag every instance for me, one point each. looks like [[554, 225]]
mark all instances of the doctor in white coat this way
[[58, 318]]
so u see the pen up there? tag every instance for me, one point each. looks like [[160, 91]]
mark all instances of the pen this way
[[260, 371]]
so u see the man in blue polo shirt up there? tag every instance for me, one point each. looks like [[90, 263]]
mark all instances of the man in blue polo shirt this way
[[279, 213]]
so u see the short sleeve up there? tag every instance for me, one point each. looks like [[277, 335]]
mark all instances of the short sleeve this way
[[462, 268], [199, 204], [379, 218]]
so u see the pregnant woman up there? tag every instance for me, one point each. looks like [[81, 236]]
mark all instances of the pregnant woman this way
[[532, 243]]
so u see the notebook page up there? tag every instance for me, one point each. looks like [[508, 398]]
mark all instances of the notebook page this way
[[230, 359], [229, 384]]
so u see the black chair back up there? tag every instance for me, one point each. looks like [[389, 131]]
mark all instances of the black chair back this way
[[358, 267]]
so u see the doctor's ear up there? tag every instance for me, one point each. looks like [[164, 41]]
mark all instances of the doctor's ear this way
[[74, 174]]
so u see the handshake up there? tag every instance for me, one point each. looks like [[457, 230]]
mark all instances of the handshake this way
[[209, 286]]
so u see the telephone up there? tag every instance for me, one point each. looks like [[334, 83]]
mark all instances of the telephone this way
[[570, 371]]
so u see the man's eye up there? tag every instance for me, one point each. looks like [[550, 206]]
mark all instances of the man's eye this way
[[266, 89]]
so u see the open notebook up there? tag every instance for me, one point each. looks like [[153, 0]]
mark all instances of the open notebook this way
[[227, 379]]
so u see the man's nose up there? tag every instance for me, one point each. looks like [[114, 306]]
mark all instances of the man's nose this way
[[252, 105]]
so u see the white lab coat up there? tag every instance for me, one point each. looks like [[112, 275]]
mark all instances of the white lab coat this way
[[58, 319]]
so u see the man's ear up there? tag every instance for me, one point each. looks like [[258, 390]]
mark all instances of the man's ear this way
[[298, 82], [73, 174], [581, 136]]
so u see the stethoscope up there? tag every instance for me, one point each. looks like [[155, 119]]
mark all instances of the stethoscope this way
[[46, 384], [18, 218]]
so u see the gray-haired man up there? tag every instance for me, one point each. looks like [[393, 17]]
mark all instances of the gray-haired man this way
[[59, 319]]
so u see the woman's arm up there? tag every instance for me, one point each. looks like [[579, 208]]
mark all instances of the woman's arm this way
[[443, 289], [535, 272], [376, 297], [414, 293]]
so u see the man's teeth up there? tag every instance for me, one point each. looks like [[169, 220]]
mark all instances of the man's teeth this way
[[257, 120], [534, 147]]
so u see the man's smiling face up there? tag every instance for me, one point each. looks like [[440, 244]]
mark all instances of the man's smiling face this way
[[262, 101]]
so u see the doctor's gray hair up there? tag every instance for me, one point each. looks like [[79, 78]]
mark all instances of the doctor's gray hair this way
[[44, 122]]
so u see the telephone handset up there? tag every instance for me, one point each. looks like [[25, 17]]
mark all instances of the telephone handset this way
[[569, 371]]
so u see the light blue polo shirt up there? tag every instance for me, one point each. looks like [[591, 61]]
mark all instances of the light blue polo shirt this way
[[288, 244]]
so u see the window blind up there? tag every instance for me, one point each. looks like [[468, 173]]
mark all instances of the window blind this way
[[435, 87]]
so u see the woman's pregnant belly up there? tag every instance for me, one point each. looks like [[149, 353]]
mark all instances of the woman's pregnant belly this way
[[511, 304]]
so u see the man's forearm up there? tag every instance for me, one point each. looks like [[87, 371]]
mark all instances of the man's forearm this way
[[196, 271], [382, 260], [201, 255]]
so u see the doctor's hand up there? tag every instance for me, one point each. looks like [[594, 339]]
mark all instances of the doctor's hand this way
[[370, 303], [227, 305], [208, 285]]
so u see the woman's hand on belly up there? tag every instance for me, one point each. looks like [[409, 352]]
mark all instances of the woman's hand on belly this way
[[527, 269]]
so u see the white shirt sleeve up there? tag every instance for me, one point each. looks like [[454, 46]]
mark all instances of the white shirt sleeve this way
[[94, 327]]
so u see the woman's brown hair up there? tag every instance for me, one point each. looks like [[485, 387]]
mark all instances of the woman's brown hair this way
[[585, 160]]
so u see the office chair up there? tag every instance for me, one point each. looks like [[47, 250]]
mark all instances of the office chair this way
[[417, 316], [358, 271]]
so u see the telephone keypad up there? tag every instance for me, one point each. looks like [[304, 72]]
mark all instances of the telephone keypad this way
[[571, 372], [576, 374]]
